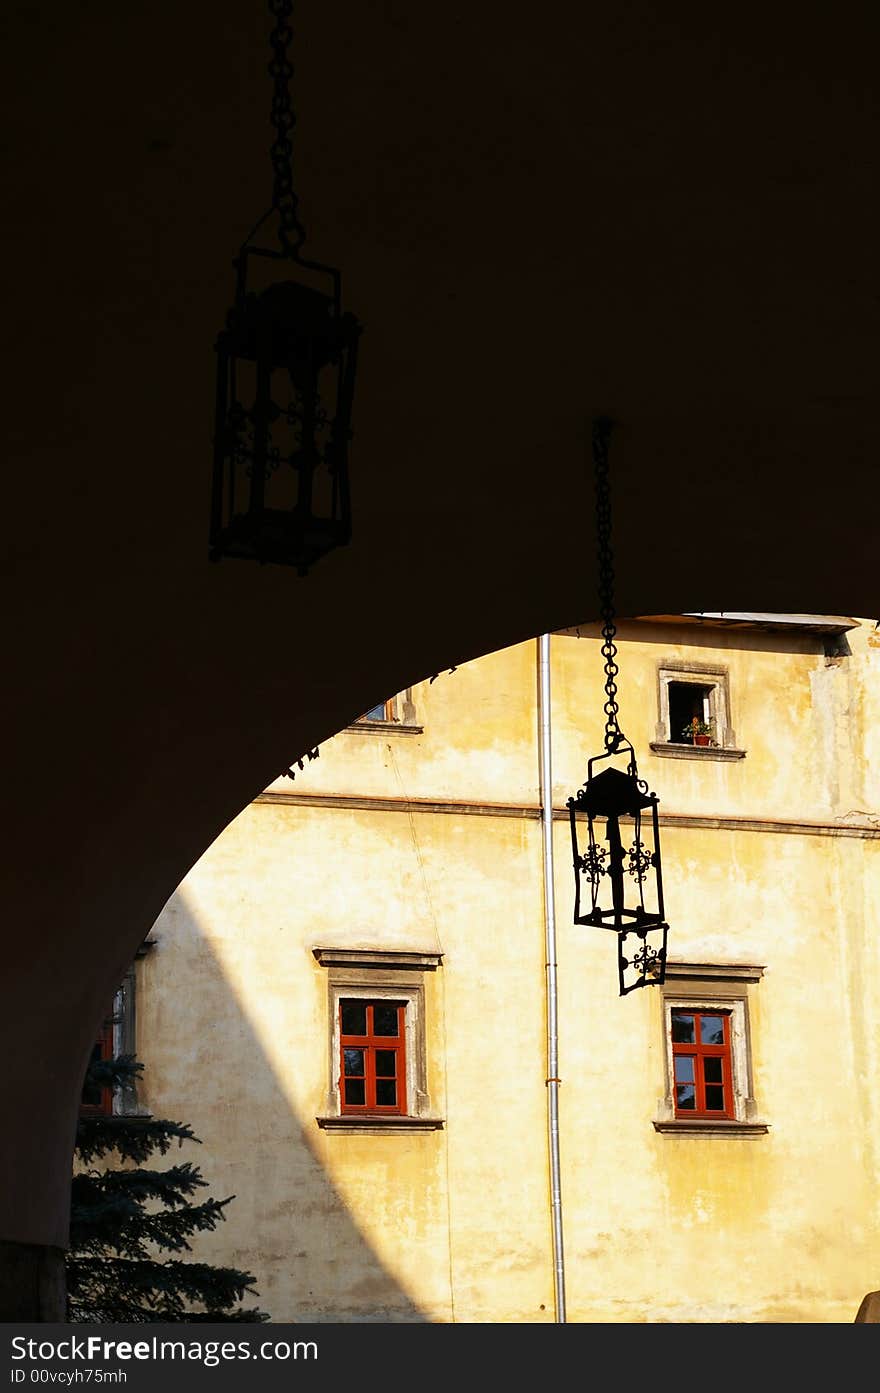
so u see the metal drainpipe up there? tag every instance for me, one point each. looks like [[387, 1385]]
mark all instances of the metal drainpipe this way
[[546, 778]]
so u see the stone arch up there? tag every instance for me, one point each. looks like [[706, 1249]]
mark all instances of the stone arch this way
[[539, 217]]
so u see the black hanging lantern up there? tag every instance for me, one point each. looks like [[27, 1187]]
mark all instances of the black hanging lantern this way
[[618, 879], [285, 384]]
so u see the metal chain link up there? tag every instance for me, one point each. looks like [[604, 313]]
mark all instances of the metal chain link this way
[[291, 232], [601, 434]]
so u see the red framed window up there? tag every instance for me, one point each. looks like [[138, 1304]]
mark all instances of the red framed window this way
[[372, 1036], [383, 712], [98, 1101], [701, 1063]]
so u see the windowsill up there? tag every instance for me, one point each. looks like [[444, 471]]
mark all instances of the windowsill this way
[[706, 1127], [128, 1118], [383, 727], [672, 750], [377, 1124]]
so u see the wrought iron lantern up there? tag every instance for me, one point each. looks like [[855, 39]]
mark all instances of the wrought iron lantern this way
[[285, 383], [620, 886], [618, 878]]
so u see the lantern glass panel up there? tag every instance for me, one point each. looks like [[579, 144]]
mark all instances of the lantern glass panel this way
[[286, 363]]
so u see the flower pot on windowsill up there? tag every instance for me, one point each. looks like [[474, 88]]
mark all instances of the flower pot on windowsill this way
[[699, 732]]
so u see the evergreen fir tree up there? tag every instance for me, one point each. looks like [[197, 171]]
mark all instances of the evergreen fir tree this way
[[123, 1222]]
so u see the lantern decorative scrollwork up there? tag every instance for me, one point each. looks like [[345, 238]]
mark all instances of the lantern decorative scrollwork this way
[[618, 878], [285, 382], [619, 886]]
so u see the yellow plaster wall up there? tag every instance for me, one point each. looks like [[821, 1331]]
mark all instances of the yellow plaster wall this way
[[477, 741], [454, 1224], [774, 1227]]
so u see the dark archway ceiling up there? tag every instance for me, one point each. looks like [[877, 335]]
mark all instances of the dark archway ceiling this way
[[541, 212]]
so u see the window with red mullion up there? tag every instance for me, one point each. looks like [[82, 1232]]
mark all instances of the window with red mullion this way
[[98, 1102], [701, 1063], [372, 1074], [384, 711]]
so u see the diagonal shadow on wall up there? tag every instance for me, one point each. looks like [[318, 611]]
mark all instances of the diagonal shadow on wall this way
[[236, 1075]]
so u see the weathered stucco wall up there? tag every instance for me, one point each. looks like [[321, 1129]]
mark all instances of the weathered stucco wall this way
[[770, 860]]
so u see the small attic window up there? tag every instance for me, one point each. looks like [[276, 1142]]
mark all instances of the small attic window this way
[[693, 716]]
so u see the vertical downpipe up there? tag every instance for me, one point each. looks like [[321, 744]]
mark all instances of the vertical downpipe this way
[[546, 784]]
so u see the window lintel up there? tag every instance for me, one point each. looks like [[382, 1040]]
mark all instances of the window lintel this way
[[378, 958], [714, 972]]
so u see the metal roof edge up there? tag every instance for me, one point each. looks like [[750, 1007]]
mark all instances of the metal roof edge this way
[[810, 623]]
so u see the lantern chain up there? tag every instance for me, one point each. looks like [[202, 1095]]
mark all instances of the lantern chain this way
[[291, 232], [601, 433]]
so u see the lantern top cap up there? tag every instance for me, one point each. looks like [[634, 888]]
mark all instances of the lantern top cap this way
[[613, 794], [288, 321], [291, 300]]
